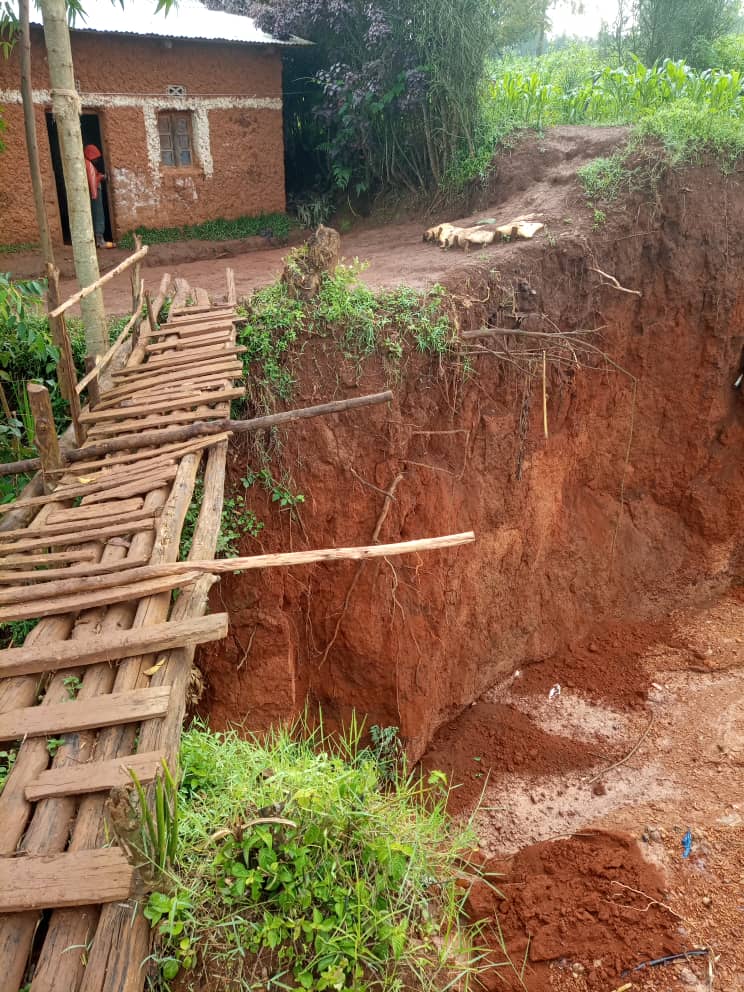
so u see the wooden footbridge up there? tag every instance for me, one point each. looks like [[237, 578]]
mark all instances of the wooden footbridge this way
[[100, 685]]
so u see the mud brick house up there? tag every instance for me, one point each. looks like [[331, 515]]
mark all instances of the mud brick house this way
[[186, 108]]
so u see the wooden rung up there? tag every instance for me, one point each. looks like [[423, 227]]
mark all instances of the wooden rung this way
[[95, 776], [79, 878], [102, 432], [89, 714], [103, 597], [196, 329], [161, 406], [52, 656], [184, 344], [26, 561], [166, 362], [155, 481], [101, 510], [79, 536], [71, 572], [63, 527]]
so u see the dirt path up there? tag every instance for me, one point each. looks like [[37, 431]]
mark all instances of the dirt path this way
[[395, 253], [530, 768]]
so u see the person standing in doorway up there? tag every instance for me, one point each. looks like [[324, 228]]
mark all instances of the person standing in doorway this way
[[95, 178]]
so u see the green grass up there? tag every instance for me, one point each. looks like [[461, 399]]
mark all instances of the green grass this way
[[275, 225], [603, 178], [690, 112], [303, 863], [15, 249]]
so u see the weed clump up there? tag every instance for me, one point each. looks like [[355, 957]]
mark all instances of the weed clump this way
[[303, 863], [265, 225], [359, 320]]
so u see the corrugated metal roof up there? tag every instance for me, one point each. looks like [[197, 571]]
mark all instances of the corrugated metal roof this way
[[187, 19]]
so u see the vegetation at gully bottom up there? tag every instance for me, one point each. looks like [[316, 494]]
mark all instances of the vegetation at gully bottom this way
[[307, 862]]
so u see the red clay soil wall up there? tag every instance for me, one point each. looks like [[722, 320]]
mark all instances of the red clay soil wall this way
[[239, 163], [557, 551]]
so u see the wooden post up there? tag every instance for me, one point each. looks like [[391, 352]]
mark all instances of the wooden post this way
[[232, 293], [136, 281], [55, 329], [151, 317], [47, 442], [94, 393]]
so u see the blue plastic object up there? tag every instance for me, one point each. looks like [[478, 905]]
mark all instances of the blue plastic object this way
[[687, 844]]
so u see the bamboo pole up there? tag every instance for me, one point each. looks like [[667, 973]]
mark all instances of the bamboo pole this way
[[101, 281], [47, 441]]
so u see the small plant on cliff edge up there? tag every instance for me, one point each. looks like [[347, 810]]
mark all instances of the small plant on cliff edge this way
[[298, 867], [237, 520]]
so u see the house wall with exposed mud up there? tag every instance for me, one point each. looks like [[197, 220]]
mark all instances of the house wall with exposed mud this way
[[230, 94]]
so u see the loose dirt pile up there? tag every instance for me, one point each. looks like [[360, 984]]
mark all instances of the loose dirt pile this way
[[563, 901]]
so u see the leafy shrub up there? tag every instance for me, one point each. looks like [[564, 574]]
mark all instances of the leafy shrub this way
[[363, 321], [296, 862]]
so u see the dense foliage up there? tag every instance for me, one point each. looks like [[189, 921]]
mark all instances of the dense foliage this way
[[390, 91], [310, 864]]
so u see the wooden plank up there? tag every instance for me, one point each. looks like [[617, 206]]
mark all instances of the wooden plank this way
[[78, 536], [90, 714], [104, 597], [52, 656], [81, 878], [143, 485], [170, 377], [65, 492], [63, 527], [204, 413], [184, 344], [196, 329], [95, 776], [133, 373], [187, 315], [86, 512], [55, 557], [188, 383], [162, 406], [143, 458], [72, 571]]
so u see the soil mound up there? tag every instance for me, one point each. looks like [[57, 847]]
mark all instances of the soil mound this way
[[590, 902]]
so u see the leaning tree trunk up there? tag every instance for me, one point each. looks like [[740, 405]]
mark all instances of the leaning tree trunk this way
[[32, 146], [66, 107]]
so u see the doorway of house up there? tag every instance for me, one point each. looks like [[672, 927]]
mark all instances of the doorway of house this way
[[90, 125]]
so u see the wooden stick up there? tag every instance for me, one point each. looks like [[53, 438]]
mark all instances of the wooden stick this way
[[103, 361], [70, 513], [146, 459], [163, 406], [132, 373], [627, 757], [186, 344], [107, 277], [47, 441], [52, 656], [82, 571], [111, 485], [95, 776], [545, 393], [169, 377], [26, 561], [20, 467], [104, 597], [90, 714], [95, 519], [77, 537], [65, 376], [206, 428], [151, 317]]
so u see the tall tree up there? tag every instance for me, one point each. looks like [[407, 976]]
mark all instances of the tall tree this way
[[675, 28], [32, 146], [66, 107]]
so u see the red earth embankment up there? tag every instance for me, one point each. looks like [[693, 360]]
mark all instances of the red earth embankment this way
[[630, 506]]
